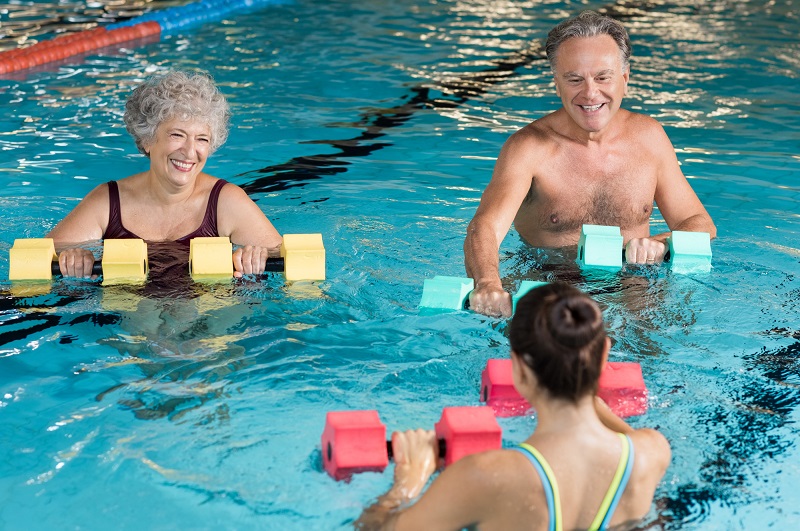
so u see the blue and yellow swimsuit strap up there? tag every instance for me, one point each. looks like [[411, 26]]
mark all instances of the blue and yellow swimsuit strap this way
[[617, 487], [549, 483]]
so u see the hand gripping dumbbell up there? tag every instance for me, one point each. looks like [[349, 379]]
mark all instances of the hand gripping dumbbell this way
[[621, 386], [302, 258], [36, 259], [355, 441], [600, 247], [452, 293]]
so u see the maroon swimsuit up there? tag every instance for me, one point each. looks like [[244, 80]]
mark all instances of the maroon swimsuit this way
[[116, 230], [168, 261]]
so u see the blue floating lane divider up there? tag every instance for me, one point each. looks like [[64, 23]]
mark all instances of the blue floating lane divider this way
[[162, 22], [178, 18]]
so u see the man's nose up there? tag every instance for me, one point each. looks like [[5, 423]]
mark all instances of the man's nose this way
[[591, 88]]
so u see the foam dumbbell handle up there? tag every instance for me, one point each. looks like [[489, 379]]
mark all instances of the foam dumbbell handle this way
[[442, 443], [275, 265], [97, 268]]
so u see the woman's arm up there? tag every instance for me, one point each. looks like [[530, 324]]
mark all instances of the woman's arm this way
[[87, 222], [415, 456], [461, 496], [243, 221]]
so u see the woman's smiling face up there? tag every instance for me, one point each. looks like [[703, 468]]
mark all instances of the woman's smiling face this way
[[180, 149]]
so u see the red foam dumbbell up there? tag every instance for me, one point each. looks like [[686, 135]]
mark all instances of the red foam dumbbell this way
[[621, 386], [355, 441]]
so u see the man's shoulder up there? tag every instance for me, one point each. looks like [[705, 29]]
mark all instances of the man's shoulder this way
[[640, 123], [538, 133]]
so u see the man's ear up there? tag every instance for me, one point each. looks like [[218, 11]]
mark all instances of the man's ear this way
[[626, 77]]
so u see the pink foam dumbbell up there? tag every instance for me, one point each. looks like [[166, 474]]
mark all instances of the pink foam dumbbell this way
[[621, 386], [355, 441]]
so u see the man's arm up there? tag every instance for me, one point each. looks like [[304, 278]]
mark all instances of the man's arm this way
[[678, 203], [499, 204], [676, 200]]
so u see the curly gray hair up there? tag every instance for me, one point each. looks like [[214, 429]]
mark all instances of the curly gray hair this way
[[176, 94], [588, 24]]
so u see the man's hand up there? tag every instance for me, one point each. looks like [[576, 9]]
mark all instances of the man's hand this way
[[491, 300], [249, 260], [76, 263], [645, 251]]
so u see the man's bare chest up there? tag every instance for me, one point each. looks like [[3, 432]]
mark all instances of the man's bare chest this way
[[620, 195]]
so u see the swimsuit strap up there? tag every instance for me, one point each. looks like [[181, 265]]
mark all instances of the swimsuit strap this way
[[115, 228], [617, 487], [549, 483]]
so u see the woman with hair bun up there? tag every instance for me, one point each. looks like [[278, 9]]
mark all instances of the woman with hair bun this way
[[583, 467], [177, 119]]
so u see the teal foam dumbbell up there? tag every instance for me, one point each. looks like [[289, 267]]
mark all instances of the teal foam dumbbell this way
[[452, 293], [600, 247], [524, 287], [446, 293], [689, 252]]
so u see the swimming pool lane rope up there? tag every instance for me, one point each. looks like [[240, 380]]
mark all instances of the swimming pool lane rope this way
[[147, 26]]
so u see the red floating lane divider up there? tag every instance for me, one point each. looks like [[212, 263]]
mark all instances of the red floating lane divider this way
[[64, 46], [621, 386]]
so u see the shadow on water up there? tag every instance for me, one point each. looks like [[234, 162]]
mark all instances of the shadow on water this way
[[183, 344]]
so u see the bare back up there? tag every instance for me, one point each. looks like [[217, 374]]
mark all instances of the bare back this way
[[610, 182], [501, 490]]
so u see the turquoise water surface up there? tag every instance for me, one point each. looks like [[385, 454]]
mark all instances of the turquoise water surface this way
[[377, 124]]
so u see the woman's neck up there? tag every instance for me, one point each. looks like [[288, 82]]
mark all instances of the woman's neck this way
[[555, 416]]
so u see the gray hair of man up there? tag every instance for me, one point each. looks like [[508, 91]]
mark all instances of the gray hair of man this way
[[176, 94], [588, 24]]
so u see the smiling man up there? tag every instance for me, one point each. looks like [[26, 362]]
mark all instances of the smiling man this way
[[590, 161]]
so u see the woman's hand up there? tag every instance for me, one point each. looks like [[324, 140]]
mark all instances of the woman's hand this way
[[249, 260], [415, 459], [76, 262]]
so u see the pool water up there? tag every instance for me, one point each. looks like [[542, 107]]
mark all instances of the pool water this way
[[378, 125]]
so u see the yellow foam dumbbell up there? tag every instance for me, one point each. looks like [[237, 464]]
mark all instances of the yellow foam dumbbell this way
[[36, 259], [302, 257]]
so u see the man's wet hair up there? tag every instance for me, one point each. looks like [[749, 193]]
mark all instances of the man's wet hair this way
[[588, 24]]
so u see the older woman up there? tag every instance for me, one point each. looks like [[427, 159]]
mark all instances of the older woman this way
[[177, 120], [605, 471]]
